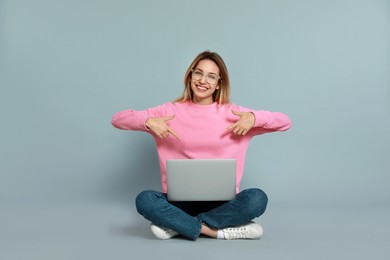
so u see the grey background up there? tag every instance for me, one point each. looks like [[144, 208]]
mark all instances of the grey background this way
[[68, 178]]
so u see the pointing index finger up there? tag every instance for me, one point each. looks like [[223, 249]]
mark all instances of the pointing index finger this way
[[173, 132], [229, 128]]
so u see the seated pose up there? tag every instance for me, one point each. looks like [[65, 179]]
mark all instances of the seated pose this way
[[203, 124]]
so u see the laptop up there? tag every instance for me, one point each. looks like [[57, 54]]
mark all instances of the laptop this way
[[201, 179]]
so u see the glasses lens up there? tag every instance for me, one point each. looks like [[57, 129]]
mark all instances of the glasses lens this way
[[212, 79], [197, 74]]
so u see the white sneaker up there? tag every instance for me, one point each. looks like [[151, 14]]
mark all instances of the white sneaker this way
[[251, 230], [162, 233]]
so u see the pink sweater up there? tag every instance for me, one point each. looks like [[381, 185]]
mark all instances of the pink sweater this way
[[202, 131]]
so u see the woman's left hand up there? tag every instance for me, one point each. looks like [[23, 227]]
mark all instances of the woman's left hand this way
[[244, 124]]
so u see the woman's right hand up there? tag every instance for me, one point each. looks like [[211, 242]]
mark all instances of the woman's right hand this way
[[158, 125]]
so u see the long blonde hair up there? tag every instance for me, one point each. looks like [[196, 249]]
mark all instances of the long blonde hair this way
[[221, 95]]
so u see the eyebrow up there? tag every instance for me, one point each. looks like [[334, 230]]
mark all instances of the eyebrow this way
[[207, 73]]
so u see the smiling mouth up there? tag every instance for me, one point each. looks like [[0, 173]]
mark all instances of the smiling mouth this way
[[201, 88]]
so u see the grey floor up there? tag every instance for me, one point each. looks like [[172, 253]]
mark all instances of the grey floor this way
[[109, 231]]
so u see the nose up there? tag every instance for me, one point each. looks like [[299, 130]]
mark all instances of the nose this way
[[202, 79]]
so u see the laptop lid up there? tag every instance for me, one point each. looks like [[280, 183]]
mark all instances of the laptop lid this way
[[201, 179]]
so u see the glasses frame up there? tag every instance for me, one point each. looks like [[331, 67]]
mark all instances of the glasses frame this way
[[205, 76]]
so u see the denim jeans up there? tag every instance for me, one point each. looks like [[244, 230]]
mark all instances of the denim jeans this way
[[187, 218]]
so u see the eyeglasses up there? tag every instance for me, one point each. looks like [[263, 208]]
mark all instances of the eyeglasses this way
[[210, 78]]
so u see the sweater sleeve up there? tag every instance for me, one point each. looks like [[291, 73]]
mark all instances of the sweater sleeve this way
[[135, 119], [130, 120], [267, 121], [272, 121]]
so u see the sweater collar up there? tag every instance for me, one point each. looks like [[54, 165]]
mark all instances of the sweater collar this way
[[202, 107]]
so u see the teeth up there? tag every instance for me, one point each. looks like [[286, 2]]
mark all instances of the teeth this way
[[202, 88]]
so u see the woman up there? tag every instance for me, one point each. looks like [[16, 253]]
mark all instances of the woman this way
[[202, 123]]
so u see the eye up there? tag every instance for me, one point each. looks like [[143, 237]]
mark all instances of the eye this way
[[198, 73], [213, 77]]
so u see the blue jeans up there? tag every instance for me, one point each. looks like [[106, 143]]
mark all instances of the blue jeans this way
[[187, 218]]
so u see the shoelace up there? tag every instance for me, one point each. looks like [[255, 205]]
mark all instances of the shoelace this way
[[240, 232]]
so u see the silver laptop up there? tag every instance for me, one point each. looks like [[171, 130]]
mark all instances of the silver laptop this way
[[201, 179]]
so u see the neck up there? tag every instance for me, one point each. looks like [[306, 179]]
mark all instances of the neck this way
[[203, 101]]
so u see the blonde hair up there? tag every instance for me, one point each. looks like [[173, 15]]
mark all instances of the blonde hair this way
[[221, 95]]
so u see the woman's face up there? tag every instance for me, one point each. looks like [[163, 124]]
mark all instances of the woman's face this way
[[204, 81]]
